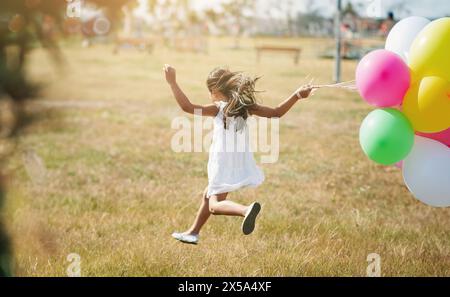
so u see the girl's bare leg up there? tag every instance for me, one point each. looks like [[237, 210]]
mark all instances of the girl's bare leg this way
[[202, 216], [219, 206]]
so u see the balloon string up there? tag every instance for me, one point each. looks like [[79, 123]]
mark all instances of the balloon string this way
[[348, 85]]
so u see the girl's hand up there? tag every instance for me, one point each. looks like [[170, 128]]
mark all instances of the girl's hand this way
[[305, 91], [170, 73]]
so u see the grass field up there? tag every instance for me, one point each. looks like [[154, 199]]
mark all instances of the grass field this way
[[113, 190]]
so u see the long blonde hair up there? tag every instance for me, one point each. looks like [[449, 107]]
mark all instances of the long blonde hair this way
[[237, 87]]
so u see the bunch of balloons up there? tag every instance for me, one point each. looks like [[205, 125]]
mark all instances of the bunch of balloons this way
[[409, 83]]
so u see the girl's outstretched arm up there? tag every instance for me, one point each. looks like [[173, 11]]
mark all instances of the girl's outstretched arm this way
[[279, 111], [182, 100]]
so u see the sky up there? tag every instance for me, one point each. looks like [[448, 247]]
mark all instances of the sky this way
[[379, 8]]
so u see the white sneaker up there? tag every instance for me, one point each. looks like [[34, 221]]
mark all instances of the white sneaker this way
[[248, 225], [186, 238]]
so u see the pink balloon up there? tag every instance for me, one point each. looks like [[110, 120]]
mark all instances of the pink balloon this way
[[443, 136], [399, 165], [383, 78]]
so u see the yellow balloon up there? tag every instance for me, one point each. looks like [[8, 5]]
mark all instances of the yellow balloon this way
[[427, 105], [430, 52]]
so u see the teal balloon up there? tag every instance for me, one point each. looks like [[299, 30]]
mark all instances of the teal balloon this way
[[386, 136]]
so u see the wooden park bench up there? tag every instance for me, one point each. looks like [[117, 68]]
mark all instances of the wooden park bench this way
[[290, 50]]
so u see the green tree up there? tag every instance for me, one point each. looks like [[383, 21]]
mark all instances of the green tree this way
[[349, 9], [24, 25]]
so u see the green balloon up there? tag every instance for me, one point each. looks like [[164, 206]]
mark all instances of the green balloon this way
[[386, 136]]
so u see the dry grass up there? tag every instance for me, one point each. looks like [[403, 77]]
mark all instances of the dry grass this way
[[115, 191]]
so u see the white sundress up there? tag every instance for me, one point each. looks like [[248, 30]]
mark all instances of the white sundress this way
[[231, 165]]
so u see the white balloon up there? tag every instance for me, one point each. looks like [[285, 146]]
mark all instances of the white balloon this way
[[402, 35], [426, 172]]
